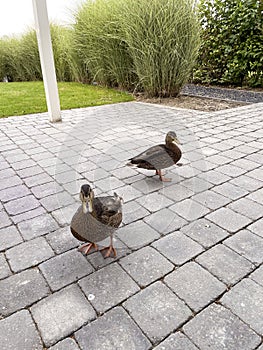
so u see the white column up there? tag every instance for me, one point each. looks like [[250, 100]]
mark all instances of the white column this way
[[47, 59]]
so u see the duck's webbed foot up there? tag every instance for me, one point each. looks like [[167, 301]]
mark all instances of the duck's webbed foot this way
[[86, 248], [164, 179], [109, 251]]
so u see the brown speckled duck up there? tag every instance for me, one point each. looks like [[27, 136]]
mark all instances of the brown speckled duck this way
[[160, 156], [96, 219]]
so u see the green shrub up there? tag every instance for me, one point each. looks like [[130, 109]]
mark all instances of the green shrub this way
[[137, 43], [232, 40], [19, 56], [100, 45], [65, 63]]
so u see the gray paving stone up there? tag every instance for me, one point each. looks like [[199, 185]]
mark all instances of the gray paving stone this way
[[196, 286], [256, 196], [178, 248], [65, 269], [64, 215], [228, 219], [21, 205], [247, 183], [231, 170], [211, 199], [225, 264], [10, 182], [256, 174], [133, 211], [34, 170], [197, 184], [9, 237], [4, 219], [15, 192], [247, 207], [245, 164], [214, 177], [28, 215], [154, 202], [128, 193], [4, 268], [19, 332], [38, 226], [217, 328], [157, 311], [62, 313], [149, 184], [26, 163], [67, 176], [189, 209], [93, 175], [165, 221], [257, 275], [21, 290], [176, 341], [123, 173], [113, 331], [62, 240], [177, 192], [230, 191], [204, 232], [56, 201], [37, 180], [108, 293], [257, 227], [146, 266], [109, 184], [66, 344], [29, 254], [47, 189], [218, 159], [248, 245], [246, 301], [137, 234]]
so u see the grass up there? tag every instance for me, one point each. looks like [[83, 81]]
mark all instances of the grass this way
[[29, 97]]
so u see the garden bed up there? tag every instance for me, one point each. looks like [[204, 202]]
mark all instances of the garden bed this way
[[207, 99]]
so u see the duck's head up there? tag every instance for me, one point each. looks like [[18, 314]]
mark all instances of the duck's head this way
[[172, 138], [86, 196]]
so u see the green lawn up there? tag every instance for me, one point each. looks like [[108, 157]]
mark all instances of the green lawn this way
[[29, 97]]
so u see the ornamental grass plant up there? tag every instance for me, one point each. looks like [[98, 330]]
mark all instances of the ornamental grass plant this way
[[137, 44]]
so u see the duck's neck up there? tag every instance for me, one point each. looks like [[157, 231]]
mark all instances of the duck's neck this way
[[84, 208], [172, 146]]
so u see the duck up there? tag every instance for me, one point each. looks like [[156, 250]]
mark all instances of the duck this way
[[96, 219], [160, 156]]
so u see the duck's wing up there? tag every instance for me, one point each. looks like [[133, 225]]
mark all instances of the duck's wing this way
[[108, 210], [150, 153], [156, 157]]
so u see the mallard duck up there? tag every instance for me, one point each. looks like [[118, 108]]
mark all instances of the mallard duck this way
[[96, 219], [160, 156]]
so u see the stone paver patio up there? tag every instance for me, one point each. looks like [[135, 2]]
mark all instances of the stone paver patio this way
[[189, 271]]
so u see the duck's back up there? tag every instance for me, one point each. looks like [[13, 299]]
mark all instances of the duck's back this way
[[157, 157]]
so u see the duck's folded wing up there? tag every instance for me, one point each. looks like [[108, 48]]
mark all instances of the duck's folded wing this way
[[150, 153]]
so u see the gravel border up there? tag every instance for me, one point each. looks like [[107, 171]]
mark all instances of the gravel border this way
[[222, 93]]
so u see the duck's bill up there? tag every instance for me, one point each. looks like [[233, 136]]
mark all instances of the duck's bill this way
[[84, 206], [176, 141], [90, 206]]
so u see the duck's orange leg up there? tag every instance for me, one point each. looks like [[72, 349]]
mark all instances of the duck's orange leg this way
[[85, 248], [164, 179], [109, 250]]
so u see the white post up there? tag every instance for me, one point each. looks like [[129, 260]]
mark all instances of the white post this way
[[47, 59]]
